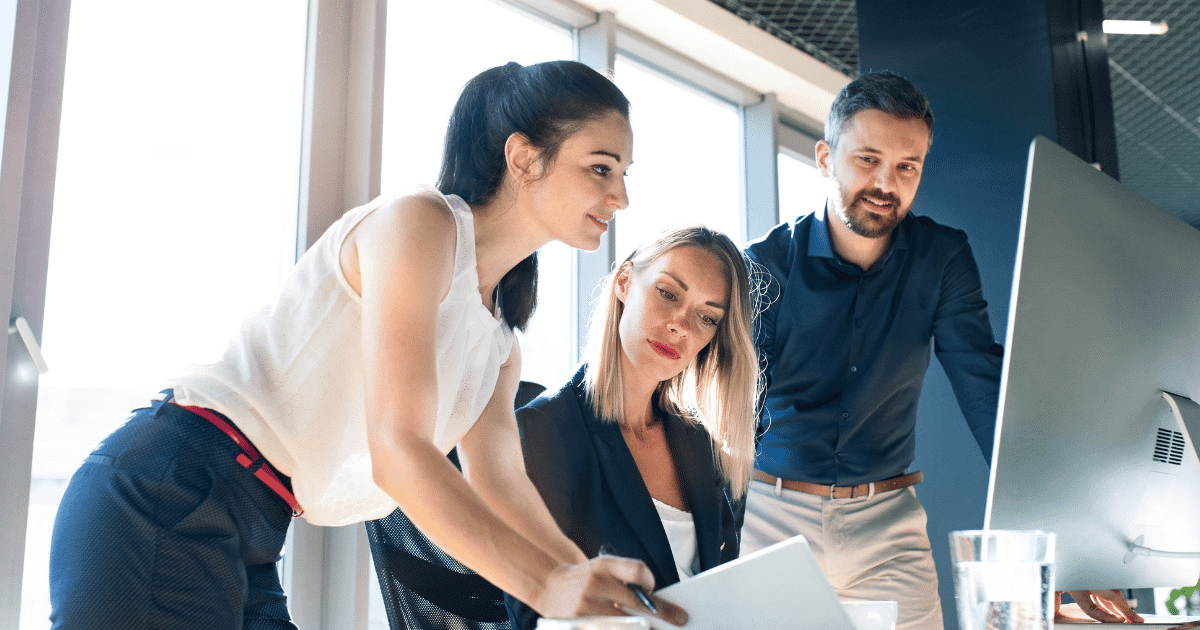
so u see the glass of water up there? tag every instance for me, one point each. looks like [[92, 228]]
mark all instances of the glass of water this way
[[1003, 580]]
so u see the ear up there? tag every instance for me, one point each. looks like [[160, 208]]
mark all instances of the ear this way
[[621, 286], [823, 154], [522, 158]]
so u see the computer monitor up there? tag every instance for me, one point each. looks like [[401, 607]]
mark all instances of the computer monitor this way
[[1104, 318]]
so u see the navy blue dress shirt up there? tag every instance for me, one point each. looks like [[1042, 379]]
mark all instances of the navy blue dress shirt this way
[[846, 350]]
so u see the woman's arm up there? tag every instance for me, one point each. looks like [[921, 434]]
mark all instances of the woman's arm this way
[[400, 260], [492, 463]]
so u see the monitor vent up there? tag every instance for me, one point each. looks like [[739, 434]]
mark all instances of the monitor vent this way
[[1169, 447]]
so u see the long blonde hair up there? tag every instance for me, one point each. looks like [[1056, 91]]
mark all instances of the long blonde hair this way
[[719, 388]]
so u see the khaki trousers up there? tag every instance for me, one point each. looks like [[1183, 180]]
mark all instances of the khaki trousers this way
[[874, 548]]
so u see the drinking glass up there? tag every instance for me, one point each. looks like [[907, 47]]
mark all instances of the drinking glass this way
[[1003, 580]]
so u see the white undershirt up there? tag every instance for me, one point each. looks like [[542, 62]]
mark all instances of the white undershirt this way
[[681, 534]]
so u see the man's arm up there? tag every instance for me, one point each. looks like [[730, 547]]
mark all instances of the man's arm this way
[[966, 347]]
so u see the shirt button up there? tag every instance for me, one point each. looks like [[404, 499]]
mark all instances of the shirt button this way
[[853, 368], [845, 414], [858, 323]]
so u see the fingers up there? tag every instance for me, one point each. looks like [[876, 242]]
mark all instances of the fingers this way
[[1114, 601], [626, 601], [1108, 606], [603, 586], [1187, 626], [669, 612], [629, 572], [1098, 612]]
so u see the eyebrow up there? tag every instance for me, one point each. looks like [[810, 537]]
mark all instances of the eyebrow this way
[[685, 288], [615, 156], [912, 158]]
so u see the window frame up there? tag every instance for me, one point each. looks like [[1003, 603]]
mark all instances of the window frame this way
[[27, 169]]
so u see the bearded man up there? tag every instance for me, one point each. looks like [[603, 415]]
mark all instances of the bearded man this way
[[859, 293]]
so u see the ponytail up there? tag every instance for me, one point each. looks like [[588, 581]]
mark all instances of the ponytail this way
[[546, 103]]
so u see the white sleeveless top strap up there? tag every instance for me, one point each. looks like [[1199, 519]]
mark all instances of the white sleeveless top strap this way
[[292, 379]]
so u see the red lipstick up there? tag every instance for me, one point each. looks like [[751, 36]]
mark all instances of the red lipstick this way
[[665, 350]]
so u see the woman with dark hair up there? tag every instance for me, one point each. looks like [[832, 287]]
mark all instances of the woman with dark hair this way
[[645, 450], [390, 342]]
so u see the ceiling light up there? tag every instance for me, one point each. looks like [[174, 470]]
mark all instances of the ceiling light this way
[[1135, 27]]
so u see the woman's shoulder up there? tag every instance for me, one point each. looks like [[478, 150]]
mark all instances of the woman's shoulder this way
[[420, 220], [422, 203], [549, 405], [413, 230], [553, 409]]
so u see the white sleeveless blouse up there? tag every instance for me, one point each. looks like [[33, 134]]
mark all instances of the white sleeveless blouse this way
[[292, 379]]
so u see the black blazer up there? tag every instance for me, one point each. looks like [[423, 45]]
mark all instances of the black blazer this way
[[587, 476]]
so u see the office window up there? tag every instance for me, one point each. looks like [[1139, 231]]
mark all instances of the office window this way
[[802, 189], [174, 215], [686, 153], [418, 97], [464, 37]]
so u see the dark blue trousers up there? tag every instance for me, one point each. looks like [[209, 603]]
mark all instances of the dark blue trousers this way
[[161, 528]]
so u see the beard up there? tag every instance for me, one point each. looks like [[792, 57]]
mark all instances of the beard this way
[[851, 209]]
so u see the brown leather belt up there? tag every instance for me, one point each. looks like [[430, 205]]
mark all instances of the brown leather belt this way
[[841, 492]]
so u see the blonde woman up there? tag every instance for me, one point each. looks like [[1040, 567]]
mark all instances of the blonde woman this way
[[642, 453]]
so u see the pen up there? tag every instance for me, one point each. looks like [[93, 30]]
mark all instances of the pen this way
[[607, 550]]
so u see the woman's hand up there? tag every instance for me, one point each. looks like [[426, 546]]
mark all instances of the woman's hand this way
[[600, 587]]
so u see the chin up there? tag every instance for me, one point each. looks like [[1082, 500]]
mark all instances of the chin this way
[[587, 246], [667, 371], [589, 243]]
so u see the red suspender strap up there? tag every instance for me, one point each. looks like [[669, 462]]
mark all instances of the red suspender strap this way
[[248, 456]]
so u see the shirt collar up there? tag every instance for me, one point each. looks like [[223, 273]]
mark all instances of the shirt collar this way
[[820, 246]]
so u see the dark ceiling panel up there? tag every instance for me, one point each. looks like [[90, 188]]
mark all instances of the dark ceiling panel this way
[[1155, 82], [825, 29]]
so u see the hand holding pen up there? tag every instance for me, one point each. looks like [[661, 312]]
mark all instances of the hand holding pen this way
[[601, 587], [607, 550]]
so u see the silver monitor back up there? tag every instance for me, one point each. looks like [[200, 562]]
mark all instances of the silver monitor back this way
[[1104, 317]]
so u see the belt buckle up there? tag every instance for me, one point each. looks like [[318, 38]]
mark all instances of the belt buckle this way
[[833, 491], [854, 491]]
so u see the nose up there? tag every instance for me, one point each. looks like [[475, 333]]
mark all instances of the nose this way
[[677, 322], [885, 179], [618, 197]]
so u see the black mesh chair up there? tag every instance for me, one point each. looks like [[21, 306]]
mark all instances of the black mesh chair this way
[[425, 588]]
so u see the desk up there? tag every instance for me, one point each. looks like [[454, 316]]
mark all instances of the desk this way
[[1153, 622]]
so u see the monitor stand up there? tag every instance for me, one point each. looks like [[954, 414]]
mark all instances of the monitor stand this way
[[1187, 414]]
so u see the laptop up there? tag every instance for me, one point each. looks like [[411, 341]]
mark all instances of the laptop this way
[[780, 586]]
